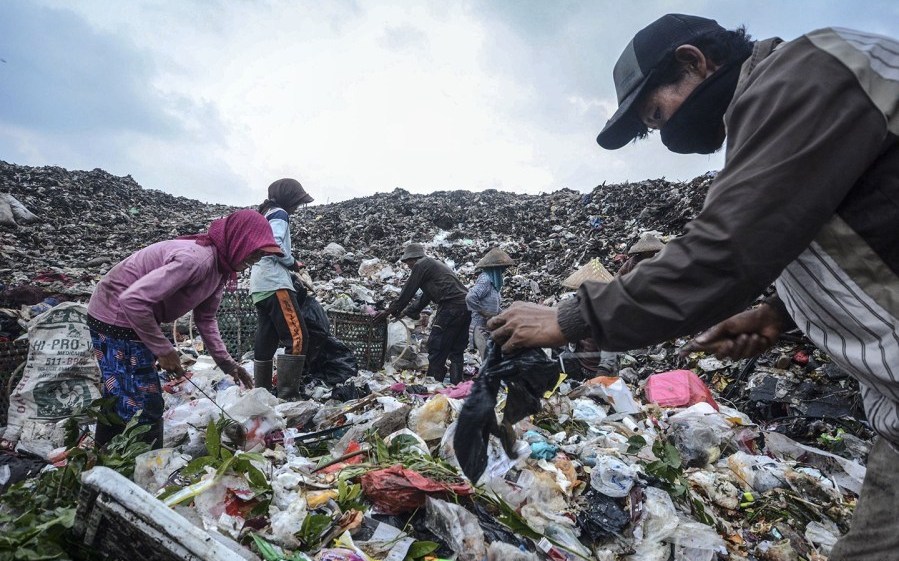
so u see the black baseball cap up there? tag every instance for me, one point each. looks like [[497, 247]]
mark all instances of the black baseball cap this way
[[635, 67]]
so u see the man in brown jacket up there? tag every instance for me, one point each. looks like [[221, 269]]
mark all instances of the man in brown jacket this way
[[449, 329], [808, 199]]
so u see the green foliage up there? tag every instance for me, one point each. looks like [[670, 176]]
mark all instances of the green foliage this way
[[507, 516], [349, 496], [268, 552], [36, 534], [404, 450], [223, 460], [37, 514], [635, 444], [120, 452], [213, 440], [668, 469], [421, 548], [313, 529]]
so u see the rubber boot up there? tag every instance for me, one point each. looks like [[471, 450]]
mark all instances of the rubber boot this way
[[290, 376], [262, 374], [456, 373]]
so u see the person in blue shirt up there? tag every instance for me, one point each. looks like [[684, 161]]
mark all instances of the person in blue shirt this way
[[279, 321], [483, 299]]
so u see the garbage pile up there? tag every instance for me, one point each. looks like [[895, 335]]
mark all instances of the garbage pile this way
[[85, 222], [689, 458], [564, 469], [549, 235]]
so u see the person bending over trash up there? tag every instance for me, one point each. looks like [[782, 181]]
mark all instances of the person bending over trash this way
[[808, 199], [279, 320], [159, 284], [599, 362], [483, 299], [449, 329]]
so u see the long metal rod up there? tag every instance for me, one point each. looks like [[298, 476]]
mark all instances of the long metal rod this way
[[206, 395]]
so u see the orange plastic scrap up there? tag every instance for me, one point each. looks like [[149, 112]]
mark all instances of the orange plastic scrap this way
[[352, 447]]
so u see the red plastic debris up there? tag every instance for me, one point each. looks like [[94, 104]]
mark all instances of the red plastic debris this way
[[396, 489]]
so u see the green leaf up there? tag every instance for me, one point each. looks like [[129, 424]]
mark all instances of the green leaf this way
[[401, 443], [670, 455], [213, 440], [196, 465], [266, 550], [635, 444], [226, 465], [313, 528], [511, 519], [421, 548], [382, 453]]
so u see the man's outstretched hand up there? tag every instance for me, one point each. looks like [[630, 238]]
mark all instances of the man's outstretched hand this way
[[526, 325], [744, 335]]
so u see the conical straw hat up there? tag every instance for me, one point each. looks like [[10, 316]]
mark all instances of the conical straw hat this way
[[495, 258], [647, 243], [592, 271]]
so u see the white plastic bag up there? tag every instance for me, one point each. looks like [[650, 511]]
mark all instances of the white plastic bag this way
[[457, 527], [612, 477]]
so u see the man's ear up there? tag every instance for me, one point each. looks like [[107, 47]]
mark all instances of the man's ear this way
[[694, 62]]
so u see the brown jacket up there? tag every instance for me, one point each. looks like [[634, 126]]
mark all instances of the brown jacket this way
[[808, 197], [438, 283]]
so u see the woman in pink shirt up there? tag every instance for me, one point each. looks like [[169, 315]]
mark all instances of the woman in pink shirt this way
[[159, 284]]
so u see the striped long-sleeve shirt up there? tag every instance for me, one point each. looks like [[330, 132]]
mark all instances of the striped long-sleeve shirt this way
[[808, 197], [482, 297]]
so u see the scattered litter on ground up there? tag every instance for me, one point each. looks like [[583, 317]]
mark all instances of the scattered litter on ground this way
[[689, 458]]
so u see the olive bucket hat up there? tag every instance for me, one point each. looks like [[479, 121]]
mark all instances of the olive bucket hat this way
[[413, 251]]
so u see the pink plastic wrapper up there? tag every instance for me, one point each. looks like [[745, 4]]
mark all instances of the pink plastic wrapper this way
[[678, 388]]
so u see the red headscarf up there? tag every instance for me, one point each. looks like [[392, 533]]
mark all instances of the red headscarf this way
[[236, 237]]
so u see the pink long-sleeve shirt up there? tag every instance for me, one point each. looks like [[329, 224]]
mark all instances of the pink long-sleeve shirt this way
[[159, 284]]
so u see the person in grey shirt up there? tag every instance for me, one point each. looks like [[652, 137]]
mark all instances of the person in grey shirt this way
[[449, 330]]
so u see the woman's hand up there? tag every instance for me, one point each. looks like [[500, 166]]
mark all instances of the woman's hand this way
[[241, 376], [171, 362]]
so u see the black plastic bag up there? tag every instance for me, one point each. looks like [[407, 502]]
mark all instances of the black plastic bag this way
[[328, 358], [601, 517], [528, 375]]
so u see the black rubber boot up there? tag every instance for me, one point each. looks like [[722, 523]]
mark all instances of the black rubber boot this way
[[262, 374], [456, 372], [290, 376]]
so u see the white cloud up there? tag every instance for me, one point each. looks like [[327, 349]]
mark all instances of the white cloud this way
[[356, 98]]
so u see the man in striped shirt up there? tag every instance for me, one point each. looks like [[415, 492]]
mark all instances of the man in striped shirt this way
[[808, 199]]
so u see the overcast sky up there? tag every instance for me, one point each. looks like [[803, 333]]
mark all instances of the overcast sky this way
[[216, 99]]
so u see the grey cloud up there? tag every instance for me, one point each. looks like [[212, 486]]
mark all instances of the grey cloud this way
[[62, 76]]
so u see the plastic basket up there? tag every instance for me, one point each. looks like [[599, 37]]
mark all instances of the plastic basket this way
[[366, 338], [237, 321], [237, 325]]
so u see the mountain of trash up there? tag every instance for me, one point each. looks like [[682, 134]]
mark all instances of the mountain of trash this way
[[89, 220]]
